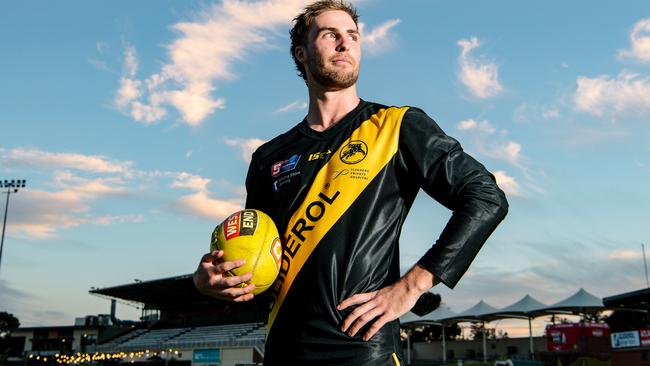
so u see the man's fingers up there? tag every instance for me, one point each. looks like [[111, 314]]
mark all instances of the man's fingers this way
[[356, 300], [213, 256], [233, 280], [364, 319], [210, 278], [354, 315], [227, 266], [242, 298], [374, 328], [236, 292]]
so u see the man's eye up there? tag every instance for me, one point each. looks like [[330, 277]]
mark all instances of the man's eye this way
[[330, 35]]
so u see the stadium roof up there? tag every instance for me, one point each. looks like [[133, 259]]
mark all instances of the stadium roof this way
[[443, 311], [639, 299], [157, 294]]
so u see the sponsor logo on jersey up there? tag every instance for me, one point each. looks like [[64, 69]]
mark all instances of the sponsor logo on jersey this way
[[286, 179], [319, 155], [300, 230], [241, 223], [339, 172], [354, 152], [284, 166], [359, 173]]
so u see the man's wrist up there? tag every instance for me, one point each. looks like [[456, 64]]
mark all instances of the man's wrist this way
[[418, 279]]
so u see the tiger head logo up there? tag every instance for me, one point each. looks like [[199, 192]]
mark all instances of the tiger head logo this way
[[354, 152]]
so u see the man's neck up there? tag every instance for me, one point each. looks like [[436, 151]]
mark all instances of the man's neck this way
[[326, 108]]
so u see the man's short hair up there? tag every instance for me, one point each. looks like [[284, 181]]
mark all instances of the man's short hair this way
[[302, 24]]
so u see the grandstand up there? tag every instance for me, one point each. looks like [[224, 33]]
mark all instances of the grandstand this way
[[188, 325]]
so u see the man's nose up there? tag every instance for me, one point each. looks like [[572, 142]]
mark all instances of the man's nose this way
[[344, 44]]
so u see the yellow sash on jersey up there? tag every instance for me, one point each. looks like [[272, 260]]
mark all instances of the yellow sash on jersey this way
[[336, 186]]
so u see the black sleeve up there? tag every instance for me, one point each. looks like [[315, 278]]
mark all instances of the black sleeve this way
[[460, 183], [254, 186]]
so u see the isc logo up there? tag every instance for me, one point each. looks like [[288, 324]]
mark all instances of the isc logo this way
[[319, 155]]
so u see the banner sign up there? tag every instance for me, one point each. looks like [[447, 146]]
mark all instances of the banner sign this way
[[645, 337], [626, 339], [206, 356]]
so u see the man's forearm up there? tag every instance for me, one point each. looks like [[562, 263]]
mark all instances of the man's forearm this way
[[419, 280]]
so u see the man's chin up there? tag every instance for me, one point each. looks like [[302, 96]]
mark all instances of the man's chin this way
[[336, 81]]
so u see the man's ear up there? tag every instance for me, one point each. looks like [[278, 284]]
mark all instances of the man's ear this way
[[301, 54]]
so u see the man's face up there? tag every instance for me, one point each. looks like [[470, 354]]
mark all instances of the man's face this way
[[333, 50]]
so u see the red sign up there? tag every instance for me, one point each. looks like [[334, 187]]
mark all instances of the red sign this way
[[566, 337], [644, 334], [231, 227]]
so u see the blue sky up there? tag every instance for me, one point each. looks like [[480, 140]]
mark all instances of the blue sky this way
[[133, 124]]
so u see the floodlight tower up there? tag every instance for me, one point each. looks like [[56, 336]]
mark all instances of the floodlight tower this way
[[12, 186]]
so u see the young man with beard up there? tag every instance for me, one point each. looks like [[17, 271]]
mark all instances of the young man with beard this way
[[338, 186]]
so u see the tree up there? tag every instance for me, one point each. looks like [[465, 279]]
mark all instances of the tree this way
[[431, 333], [8, 323], [479, 328], [598, 317]]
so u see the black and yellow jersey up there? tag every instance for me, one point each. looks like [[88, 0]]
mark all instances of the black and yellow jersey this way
[[339, 198]]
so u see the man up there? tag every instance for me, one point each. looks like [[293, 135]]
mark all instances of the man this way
[[338, 186]]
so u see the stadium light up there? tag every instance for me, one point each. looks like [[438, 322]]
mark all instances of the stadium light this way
[[12, 186]]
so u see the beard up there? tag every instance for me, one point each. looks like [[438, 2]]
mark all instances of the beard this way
[[331, 78]]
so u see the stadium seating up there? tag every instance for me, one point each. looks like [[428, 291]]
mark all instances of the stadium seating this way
[[248, 334], [219, 335], [112, 345]]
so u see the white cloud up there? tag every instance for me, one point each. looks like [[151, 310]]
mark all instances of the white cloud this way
[[130, 88], [191, 181], [496, 148], [204, 53], [612, 97], [42, 213], [194, 102], [293, 106], [246, 146], [639, 42], [624, 255], [472, 125], [128, 92], [479, 76], [88, 163], [81, 184], [130, 61], [527, 112], [201, 203], [507, 183], [508, 151], [147, 113], [101, 46], [99, 65], [378, 39], [537, 270], [551, 113]]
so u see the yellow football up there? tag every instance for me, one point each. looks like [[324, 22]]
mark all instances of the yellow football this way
[[250, 235]]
